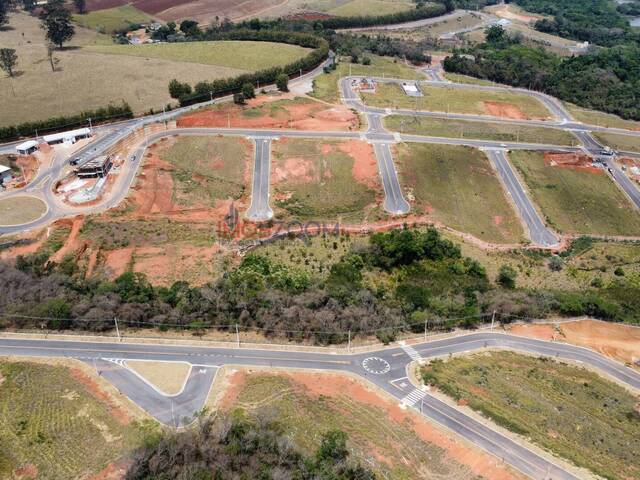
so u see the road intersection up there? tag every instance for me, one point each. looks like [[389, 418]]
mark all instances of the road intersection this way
[[386, 368]]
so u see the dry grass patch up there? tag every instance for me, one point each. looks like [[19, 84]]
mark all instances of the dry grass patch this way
[[21, 209], [168, 377]]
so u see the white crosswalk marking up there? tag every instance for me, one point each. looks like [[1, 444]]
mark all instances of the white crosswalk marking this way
[[412, 352], [412, 398], [117, 361]]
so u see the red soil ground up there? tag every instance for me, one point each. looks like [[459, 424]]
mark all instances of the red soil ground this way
[[336, 385], [505, 110], [618, 341], [304, 115], [574, 161], [71, 245], [92, 387]]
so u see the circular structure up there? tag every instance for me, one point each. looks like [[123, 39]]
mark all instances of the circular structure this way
[[376, 365], [21, 210]]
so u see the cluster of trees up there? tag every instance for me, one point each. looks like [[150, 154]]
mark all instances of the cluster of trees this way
[[223, 447], [220, 87], [27, 129], [419, 276], [345, 44], [631, 8], [607, 79], [595, 21]]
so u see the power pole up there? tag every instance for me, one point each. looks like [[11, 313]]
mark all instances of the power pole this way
[[237, 336], [349, 345], [493, 318]]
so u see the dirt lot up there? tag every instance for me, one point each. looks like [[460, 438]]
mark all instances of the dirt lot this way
[[396, 443], [618, 341], [325, 180], [275, 111]]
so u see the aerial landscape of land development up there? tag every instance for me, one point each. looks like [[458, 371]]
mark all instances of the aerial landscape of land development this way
[[319, 239]]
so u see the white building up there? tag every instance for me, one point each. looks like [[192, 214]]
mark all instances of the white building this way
[[68, 138], [411, 89], [5, 174], [27, 148]]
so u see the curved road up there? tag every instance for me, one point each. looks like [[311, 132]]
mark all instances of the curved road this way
[[386, 368]]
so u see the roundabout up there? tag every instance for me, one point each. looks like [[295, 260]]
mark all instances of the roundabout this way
[[376, 365], [21, 210]]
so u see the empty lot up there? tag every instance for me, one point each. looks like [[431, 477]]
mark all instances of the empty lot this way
[[569, 410], [458, 187], [576, 200]]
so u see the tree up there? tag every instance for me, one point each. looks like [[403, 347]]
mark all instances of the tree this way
[[282, 82], [495, 34], [56, 20], [178, 89], [8, 60], [4, 13], [507, 277], [81, 6], [53, 61], [190, 28], [238, 98], [248, 91]]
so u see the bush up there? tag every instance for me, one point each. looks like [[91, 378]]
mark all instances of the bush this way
[[178, 89], [619, 272], [248, 90], [238, 98], [282, 82], [507, 277], [555, 264], [366, 61]]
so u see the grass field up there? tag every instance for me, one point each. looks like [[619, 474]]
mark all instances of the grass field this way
[[22, 209], [458, 187], [87, 79], [619, 142], [569, 410], [601, 119], [112, 19], [391, 448], [315, 181], [169, 377], [50, 421], [439, 127], [325, 87], [206, 169], [380, 7], [577, 201], [457, 78], [248, 56], [444, 99]]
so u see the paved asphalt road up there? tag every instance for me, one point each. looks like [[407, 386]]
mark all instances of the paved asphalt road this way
[[386, 368], [259, 210], [394, 201], [538, 231]]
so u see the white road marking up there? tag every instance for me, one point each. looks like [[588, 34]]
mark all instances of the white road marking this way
[[412, 398]]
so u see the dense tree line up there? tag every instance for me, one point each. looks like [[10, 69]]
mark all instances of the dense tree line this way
[[234, 448], [346, 44], [221, 87], [28, 129], [595, 21], [607, 79], [420, 278]]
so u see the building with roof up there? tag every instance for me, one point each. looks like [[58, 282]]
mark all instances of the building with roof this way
[[68, 138], [97, 167], [5, 174], [411, 89], [27, 148]]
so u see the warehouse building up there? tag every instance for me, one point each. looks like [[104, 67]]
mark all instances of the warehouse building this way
[[68, 138], [27, 148], [5, 174]]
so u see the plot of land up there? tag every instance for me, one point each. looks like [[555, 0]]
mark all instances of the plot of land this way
[[446, 99], [575, 197], [92, 72], [623, 143], [601, 119], [395, 443], [325, 87], [275, 111], [22, 209], [112, 19], [56, 423], [247, 56], [167, 229], [438, 127], [325, 180], [569, 410], [432, 31], [379, 7], [457, 186]]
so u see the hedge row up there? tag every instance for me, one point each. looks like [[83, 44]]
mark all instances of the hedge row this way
[[28, 129], [427, 11], [222, 87]]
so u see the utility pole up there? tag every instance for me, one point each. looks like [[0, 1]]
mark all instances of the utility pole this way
[[211, 95], [493, 318], [237, 336], [115, 320], [426, 322], [349, 346], [89, 124], [164, 117]]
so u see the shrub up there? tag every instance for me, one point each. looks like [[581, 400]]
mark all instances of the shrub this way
[[507, 277], [282, 82]]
